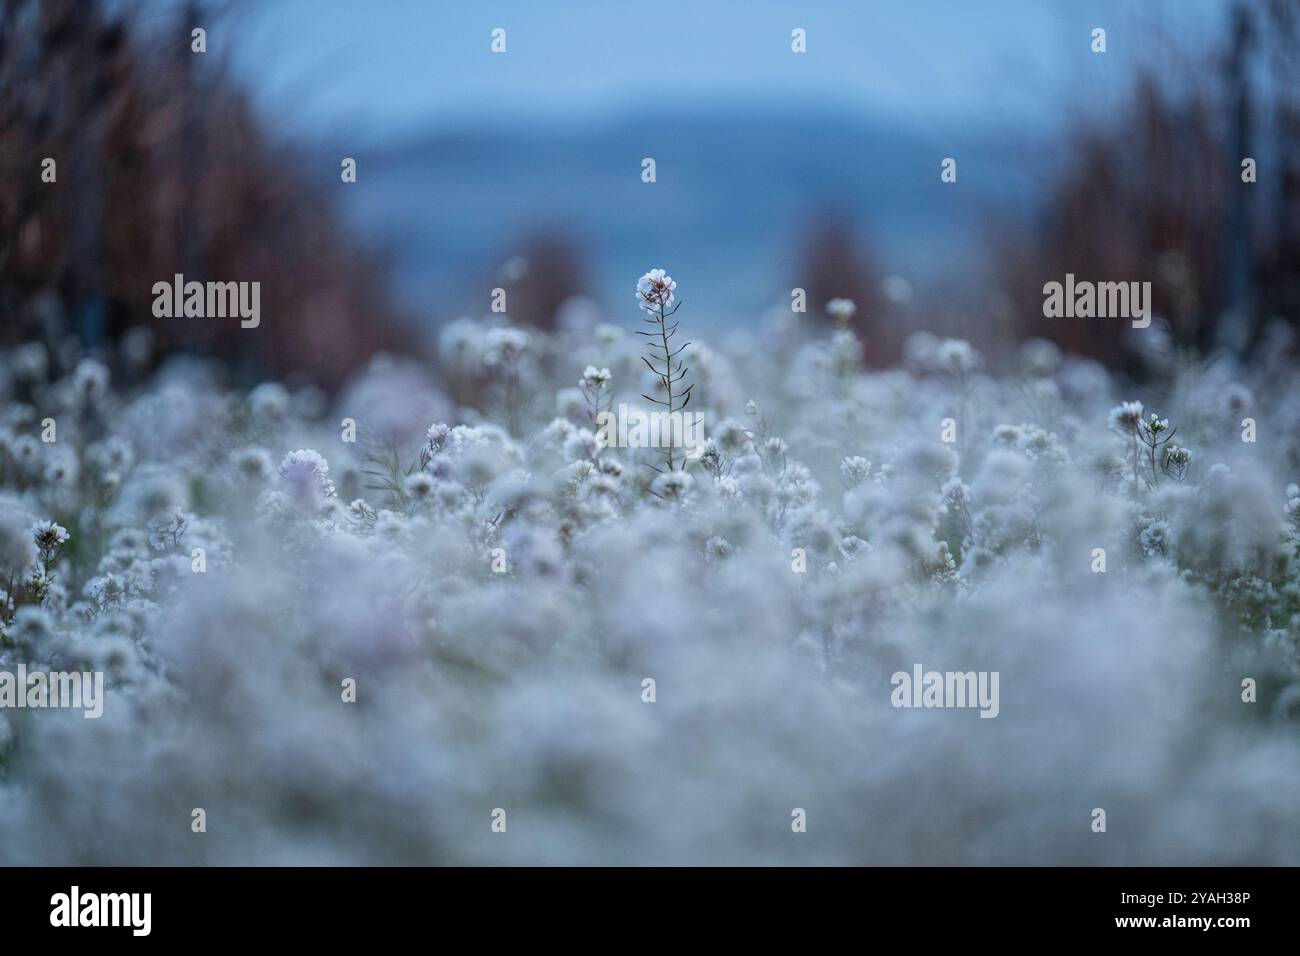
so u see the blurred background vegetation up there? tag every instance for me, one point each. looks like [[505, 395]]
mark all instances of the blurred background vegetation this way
[[171, 162], [163, 167]]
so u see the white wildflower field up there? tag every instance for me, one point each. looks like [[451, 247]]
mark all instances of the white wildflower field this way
[[440, 617]]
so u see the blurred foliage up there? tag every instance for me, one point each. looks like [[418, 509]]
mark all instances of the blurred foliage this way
[[162, 168], [1157, 195]]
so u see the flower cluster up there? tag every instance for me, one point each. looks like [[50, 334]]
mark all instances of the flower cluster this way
[[498, 584]]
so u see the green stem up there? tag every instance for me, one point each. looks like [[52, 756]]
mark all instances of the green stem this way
[[1135, 462], [668, 377]]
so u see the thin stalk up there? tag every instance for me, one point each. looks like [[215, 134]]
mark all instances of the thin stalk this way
[[1135, 461], [668, 379]]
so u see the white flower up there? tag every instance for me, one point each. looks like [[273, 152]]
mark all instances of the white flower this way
[[31, 627], [90, 379], [559, 430], [602, 485], [390, 524], [1176, 460], [49, 536], [1126, 416], [957, 356], [851, 546], [672, 485], [438, 437], [855, 469], [251, 463], [708, 455], [307, 475], [106, 590], [112, 455], [17, 550], [1292, 508], [1006, 436], [1156, 424], [731, 436], [841, 310], [654, 291], [29, 361], [167, 528], [458, 343], [1155, 538], [361, 511], [63, 469], [270, 400], [718, 549], [581, 445], [445, 443], [25, 450], [419, 485], [594, 378], [503, 345]]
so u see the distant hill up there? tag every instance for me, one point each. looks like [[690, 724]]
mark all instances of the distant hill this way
[[736, 193]]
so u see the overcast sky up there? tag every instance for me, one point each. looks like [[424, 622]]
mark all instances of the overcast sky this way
[[395, 65]]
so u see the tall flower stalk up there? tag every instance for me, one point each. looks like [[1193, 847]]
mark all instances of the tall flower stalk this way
[[654, 293], [1126, 419]]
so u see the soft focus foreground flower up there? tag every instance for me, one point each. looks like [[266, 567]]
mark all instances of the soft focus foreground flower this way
[[594, 378], [1126, 416], [17, 550], [503, 346], [957, 356], [841, 310]]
